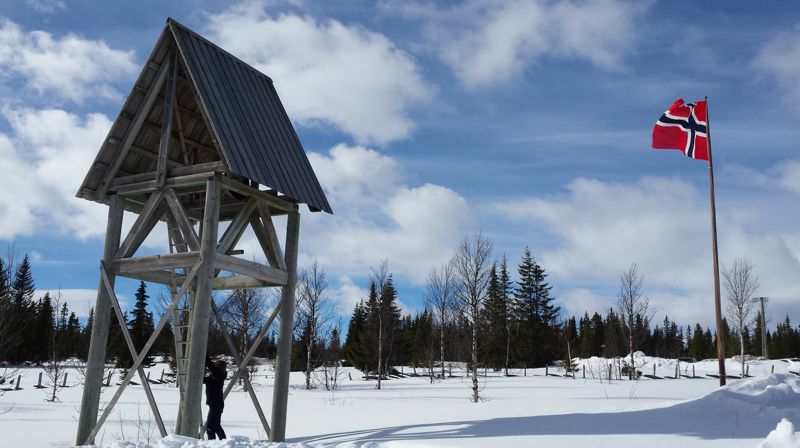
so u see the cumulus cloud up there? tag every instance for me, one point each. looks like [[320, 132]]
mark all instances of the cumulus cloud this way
[[779, 60], [70, 67], [46, 6], [598, 228], [378, 216], [789, 175], [328, 72], [487, 42], [46, 161]]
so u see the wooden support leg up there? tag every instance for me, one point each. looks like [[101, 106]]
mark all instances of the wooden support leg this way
[[280, 395], [90, 402], [191, 412], [138, 359], [132, 348]]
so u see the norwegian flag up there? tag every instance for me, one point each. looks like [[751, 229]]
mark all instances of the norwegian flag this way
[[684, 127]]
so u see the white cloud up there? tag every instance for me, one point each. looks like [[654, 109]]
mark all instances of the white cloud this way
[[46, 6], [597, 229], [789, 175], [487, 43], [81, 301], [779, 59], [70, 67], [45, 163], [378, 216], [327, 72]]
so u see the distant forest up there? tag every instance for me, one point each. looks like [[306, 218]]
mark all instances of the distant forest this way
[[518, 324]]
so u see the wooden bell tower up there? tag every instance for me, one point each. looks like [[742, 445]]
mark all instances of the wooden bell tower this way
[[202, 139]]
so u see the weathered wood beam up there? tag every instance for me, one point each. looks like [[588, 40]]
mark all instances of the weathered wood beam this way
[[190, 414], [177, 171], [247, 190], [150, 155], [250, 268], [239, 282], [125, 266], [160, 277], [274, 243], [155, 127], [123, 324], [96, 358], [237, 227], [166, 124], [182, 219], [139, 359], [191, 180], [144, 223], [133, 130]]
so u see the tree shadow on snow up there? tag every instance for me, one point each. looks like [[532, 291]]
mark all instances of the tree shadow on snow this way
[[686, 419]]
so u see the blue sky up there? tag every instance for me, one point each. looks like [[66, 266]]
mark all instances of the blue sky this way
[[529, 121]]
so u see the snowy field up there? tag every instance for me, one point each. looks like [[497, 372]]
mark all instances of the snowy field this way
[[526, 410]]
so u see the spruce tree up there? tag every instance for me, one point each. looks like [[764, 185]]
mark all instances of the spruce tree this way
[[494, 326], [141, 322]]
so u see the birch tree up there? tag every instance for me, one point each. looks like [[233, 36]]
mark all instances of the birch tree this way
[[440, 291], [632, 306], [741, 284], [471, 263], [313, 309]]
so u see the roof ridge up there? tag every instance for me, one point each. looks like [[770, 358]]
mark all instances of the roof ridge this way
[[196, 35]]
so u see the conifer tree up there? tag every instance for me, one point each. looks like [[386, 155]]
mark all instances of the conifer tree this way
[[141, 322]]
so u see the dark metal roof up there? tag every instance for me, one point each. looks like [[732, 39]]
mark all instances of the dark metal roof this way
[[226, 105], [248, 119]]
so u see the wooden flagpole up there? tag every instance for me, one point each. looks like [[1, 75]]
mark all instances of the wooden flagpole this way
[[715, 256]]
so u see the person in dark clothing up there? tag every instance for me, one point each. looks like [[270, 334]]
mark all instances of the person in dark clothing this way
[[218, 371]]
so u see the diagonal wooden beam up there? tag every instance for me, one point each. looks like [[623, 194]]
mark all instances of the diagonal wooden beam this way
[[132, 348], [245, 373], [133, 131], [166, 124], [272, 236], [140, 357], [144, 223], [237, 227], [182, 219], [256, 342]]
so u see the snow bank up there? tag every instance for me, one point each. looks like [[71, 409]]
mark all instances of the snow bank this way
[[783, 436], [176, 441]]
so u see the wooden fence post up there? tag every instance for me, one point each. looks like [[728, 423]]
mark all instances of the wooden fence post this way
[[39, 384], [64, 383], [19, 379]]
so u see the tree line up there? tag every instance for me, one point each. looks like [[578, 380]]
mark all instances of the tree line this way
[[478, 311]]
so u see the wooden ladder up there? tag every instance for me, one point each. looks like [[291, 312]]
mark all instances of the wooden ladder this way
[[182, 315]]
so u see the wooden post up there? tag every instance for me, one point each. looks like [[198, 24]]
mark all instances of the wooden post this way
[[39, 384], [102, 315], [677, 370], [108, 379], [64, 383], [715, 255], [280, 395], [162, 376], [654, 371], [693, 375], [166, 125], [584, 371], [546, 372], [747, 371], [773, 369], [19, 380], [191, 412], [609, 373]]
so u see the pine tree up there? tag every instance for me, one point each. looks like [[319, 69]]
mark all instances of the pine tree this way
[[40, 339], [23, 314]]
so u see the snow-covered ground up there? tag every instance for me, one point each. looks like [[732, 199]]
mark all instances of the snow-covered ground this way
[[529, 409]]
